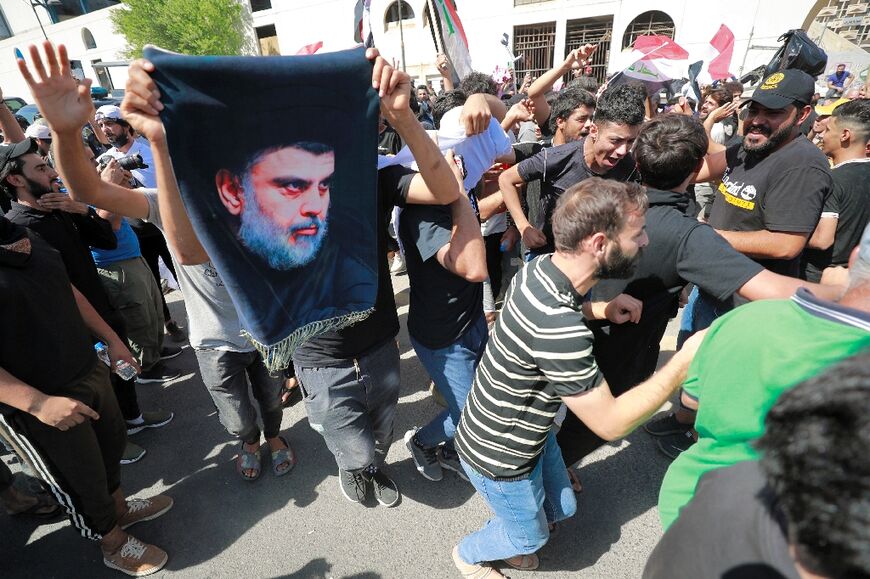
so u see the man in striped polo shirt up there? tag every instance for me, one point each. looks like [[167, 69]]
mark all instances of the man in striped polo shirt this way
[[540, 355]]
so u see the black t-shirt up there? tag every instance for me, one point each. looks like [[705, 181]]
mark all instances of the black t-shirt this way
[[443, 305], [333, 348], [681, 250], [731, 529], [784, 191], [72, 235], [849, 202], [559, 168], [43, 339]]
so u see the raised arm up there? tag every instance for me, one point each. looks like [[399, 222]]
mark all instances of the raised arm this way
[[465, 254], [67, 106], [435, 184], [141, 108], [544, 83], [12, 132]]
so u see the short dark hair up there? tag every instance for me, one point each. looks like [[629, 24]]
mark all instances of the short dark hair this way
[[855, 114], [478, 83], [733, 86], [668, 148], [12, 167], [447, 101], [423, 86], [586, 83], [814, 456], [721, 96], [622, 104], [567, 102], [594, 205]]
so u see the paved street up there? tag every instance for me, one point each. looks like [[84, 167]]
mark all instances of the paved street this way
[[301, 526]]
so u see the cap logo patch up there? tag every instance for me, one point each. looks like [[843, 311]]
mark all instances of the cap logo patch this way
[[772, 81]]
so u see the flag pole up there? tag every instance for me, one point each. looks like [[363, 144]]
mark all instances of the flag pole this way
[[401, 34]]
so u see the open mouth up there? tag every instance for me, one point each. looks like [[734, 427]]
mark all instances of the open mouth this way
[[305, 231]]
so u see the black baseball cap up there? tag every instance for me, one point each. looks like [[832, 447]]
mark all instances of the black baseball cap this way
[[784, 88], [9, 152]]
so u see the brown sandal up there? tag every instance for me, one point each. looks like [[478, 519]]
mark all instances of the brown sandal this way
[[527, 562]]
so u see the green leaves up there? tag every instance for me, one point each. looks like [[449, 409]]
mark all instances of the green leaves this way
[[198, 27]]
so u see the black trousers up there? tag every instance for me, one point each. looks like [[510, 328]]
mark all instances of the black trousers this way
[[125, 390], [80, 466], [492, 244], [627, 355], [153, 246]]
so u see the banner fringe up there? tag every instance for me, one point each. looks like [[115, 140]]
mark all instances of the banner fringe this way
[[279, 356]]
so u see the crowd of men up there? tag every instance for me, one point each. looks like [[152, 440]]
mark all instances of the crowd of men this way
[[622, 209]]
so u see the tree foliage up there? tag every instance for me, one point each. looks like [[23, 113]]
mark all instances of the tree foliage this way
[[197, 27]]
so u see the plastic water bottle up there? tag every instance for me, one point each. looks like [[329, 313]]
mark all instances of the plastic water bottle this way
[[123, 369]]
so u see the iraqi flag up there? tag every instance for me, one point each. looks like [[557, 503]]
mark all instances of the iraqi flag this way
[[655, 61], [450, 36], [716, 56]]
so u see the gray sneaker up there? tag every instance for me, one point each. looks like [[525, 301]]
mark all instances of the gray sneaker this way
[[154, 419], [386, 491], [353, 486], [132, 453], [425, 458], [448, 459]]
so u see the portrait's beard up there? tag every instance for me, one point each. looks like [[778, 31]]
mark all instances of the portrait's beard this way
[[272, 242], [774, 139], [617, 265]]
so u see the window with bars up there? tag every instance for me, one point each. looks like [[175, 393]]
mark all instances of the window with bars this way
[[392, 14], [653, 22], [591, 31], [535, 43]]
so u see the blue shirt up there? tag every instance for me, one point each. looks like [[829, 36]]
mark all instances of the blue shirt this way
[[837, 80], [128, 247]]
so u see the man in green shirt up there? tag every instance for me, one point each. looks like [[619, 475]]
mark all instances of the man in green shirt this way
[[748, 358]]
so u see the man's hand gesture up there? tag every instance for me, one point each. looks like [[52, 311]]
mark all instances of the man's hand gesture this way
[[64, 102], [141, 107], [63, 413]]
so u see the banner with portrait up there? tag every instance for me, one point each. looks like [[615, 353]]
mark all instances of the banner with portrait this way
[[276, 161]]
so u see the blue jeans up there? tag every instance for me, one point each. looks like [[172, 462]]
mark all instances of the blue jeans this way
[[452, 369], [523, 509], [699, 314]]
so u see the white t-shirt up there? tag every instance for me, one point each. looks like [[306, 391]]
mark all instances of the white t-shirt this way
[[140, 146], [212, 318]]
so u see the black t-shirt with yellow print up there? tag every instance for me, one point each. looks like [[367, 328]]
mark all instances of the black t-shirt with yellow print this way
[[784, 191]]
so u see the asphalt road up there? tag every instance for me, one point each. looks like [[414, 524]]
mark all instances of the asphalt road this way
[[301, 526]]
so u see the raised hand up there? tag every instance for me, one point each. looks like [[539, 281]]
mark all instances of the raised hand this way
[[141, 107], [64, 102], [724, 111], [393, 86], [580, 55]]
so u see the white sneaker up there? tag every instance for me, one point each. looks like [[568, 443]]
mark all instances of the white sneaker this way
[[398, 264]]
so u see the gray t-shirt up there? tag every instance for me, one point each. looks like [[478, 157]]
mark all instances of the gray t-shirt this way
[[212, 318]]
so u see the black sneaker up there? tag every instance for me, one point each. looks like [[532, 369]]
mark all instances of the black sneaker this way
[[353, 486], [154, 419], [425, 458], [169, 352], [386, 491], [448, 459], [673, 445], [132, 453], [666, 425], [157, 375], [175, 333]]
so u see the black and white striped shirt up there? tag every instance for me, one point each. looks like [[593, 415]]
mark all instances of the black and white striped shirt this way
[[539, 351]]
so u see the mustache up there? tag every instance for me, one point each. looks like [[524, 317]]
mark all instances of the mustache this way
[[758, 128], [312, 222]]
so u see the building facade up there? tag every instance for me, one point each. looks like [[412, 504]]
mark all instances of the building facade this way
[[537, 33]]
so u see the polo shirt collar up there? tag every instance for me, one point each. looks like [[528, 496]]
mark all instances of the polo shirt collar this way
[[831, 311]]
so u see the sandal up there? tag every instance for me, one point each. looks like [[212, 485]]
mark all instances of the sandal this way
[[526, 563], [282, 456], [576, 485], [248, 461], [290, 392], [474, 571]]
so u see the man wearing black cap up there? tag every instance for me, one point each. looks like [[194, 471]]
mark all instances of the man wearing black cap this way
[[773, 183]]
